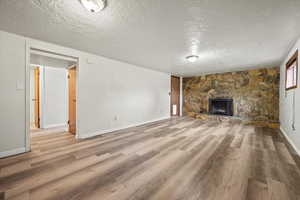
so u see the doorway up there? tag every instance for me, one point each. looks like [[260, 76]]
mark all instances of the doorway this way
[[175, 96], [72, 99], [35, 97], [53, 85]]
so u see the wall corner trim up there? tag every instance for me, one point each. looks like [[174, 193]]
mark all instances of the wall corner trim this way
[[12, 152], [289, 140], [97, 133]]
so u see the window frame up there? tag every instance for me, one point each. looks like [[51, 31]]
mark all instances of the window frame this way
[[289, 64]]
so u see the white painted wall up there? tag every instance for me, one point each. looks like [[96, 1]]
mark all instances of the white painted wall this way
[[54, 97], [111, 94], [286, 104], [115, 95], [12, 89]]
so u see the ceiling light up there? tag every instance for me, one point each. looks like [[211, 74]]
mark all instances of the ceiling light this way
[[94, 5], [192, 58]]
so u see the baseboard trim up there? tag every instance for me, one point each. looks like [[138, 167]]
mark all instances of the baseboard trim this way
[[13, 152], [55, 126], [97, 133], [290, 141]]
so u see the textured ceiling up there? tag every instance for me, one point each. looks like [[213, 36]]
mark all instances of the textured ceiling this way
[[227, 35]]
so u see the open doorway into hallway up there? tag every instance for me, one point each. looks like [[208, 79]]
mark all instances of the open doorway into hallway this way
[[53, 85]]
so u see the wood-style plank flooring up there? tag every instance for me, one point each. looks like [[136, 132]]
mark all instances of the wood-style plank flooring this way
[[175, 159]]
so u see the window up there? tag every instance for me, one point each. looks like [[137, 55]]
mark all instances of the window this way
[[291, 75]]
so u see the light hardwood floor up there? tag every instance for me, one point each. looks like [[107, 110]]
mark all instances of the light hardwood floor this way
[[175, 159]]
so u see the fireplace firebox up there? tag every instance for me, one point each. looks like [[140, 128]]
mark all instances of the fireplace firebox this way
[[221, 106]]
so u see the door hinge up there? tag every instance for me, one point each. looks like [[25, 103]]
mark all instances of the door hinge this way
[[69, 76], [68, 122]]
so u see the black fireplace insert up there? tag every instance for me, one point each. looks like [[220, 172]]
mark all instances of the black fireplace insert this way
[[221, 106]]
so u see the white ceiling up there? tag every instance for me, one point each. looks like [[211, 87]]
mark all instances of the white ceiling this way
[[227, 35]]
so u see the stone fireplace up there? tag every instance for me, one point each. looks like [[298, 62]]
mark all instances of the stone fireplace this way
[[253, 94]]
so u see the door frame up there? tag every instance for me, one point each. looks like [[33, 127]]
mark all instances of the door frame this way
[[69, 100], [57, 52], [179, 97], [33, 67], [37, 96]]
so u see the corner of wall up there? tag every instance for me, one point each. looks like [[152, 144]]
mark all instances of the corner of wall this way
[[12, 152], [289, 140]]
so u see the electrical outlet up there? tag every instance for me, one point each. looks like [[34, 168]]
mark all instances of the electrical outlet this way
[[89, 61], [293, 127], [20, 85]]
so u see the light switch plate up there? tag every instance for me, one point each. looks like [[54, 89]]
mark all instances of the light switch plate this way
[[20, 85]]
